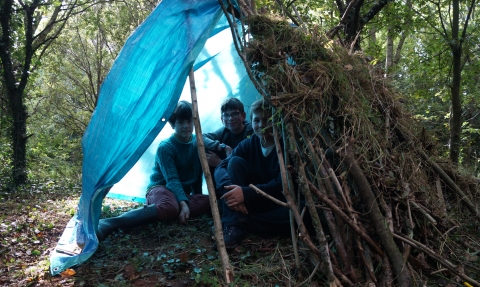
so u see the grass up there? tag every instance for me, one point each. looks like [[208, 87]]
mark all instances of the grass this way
[[163, 254]]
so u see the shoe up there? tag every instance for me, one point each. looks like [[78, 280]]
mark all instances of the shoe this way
[[233, 236], [133, 218]]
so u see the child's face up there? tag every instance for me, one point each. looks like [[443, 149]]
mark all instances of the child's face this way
[[183, 129], [259, 123], [233, 120]]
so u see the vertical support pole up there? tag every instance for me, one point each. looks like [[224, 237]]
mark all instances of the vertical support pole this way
[[227, 270]]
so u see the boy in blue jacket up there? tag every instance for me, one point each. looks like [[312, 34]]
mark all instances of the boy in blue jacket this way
[[253, 161]]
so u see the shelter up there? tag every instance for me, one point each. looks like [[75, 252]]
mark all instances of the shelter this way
[[136, 99]]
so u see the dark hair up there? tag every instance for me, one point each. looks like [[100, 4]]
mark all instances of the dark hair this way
[[260, 105], [232, 104], [183, 111]]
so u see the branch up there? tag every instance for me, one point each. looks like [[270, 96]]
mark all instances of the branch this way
[[346, 219], [434, 255], [258, 190], [451, 184], [227, 269], [464, 32], [396, 259], [374, 11]]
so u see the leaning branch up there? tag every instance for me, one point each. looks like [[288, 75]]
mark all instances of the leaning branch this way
[[227, 269]]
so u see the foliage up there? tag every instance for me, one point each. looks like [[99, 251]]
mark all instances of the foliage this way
[[424, 77], [68, 82]]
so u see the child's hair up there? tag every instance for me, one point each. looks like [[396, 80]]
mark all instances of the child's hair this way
[[232, 104], [183, 111], [260, 105]]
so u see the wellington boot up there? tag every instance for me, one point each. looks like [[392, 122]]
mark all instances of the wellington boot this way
[[136, 217]]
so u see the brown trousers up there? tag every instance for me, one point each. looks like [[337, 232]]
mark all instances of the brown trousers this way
[[168, 208]]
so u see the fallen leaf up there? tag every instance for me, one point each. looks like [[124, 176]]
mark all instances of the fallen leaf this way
[[68, 273], [130, 272], [348, 67], [184, 257]]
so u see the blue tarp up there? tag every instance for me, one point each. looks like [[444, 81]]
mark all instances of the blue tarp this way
[[138, 95]]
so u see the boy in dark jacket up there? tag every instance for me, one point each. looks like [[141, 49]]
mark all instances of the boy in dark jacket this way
[[253, 161]]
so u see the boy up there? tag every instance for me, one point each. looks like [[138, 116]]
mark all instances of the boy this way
[[253, 161], [226, 138], [175, 189]]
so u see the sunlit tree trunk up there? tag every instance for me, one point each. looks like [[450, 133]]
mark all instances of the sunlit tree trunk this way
[[389, 52]]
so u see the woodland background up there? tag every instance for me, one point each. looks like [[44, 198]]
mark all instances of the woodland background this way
[[55, 55]]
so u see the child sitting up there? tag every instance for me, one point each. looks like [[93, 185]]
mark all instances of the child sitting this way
[[253, 161]]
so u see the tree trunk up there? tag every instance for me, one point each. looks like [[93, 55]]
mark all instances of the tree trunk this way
[[19, 137], [389, 52], [456, 119]]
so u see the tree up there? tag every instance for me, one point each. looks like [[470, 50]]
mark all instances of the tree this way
[[26, 36], [456, 43], [444, 49]]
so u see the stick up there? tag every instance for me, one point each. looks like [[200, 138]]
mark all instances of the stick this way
[[294, 211], [325, 257], [396, 259], [291, 190], [451, 184], [345, 218], [328, 214], [422, 211], [258, 190], [227, 270], [434, 255]]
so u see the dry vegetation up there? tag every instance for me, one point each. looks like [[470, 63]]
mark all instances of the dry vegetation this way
[[386, 209]]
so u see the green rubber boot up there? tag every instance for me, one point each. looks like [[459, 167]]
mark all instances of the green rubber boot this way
[[136, 217]]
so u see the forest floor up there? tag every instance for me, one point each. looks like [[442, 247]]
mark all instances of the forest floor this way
[[163, 254]]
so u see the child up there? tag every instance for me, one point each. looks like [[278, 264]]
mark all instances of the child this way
[[253, 161], [175, 189], [234, 130]]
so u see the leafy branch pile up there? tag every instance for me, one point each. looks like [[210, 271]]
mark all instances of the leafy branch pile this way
[[382, 210]]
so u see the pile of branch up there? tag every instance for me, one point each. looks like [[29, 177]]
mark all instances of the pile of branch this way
[[382, 210]]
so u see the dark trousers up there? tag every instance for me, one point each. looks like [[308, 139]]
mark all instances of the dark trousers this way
[[264, 217]]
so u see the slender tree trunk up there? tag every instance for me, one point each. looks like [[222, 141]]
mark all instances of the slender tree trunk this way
[[389, 52], [19, 137], [456, 119]]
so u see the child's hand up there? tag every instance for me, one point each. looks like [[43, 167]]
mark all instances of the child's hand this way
[[213, 159], [184, 212], [234, 196], [240, 208]]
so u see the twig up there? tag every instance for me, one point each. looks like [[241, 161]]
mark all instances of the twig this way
[[287, 188], [440, 260], [396, 259], [227, 270], [422, 211], [294, 211], [258, 190], [451, 184], [345, 218], [327, 268]]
